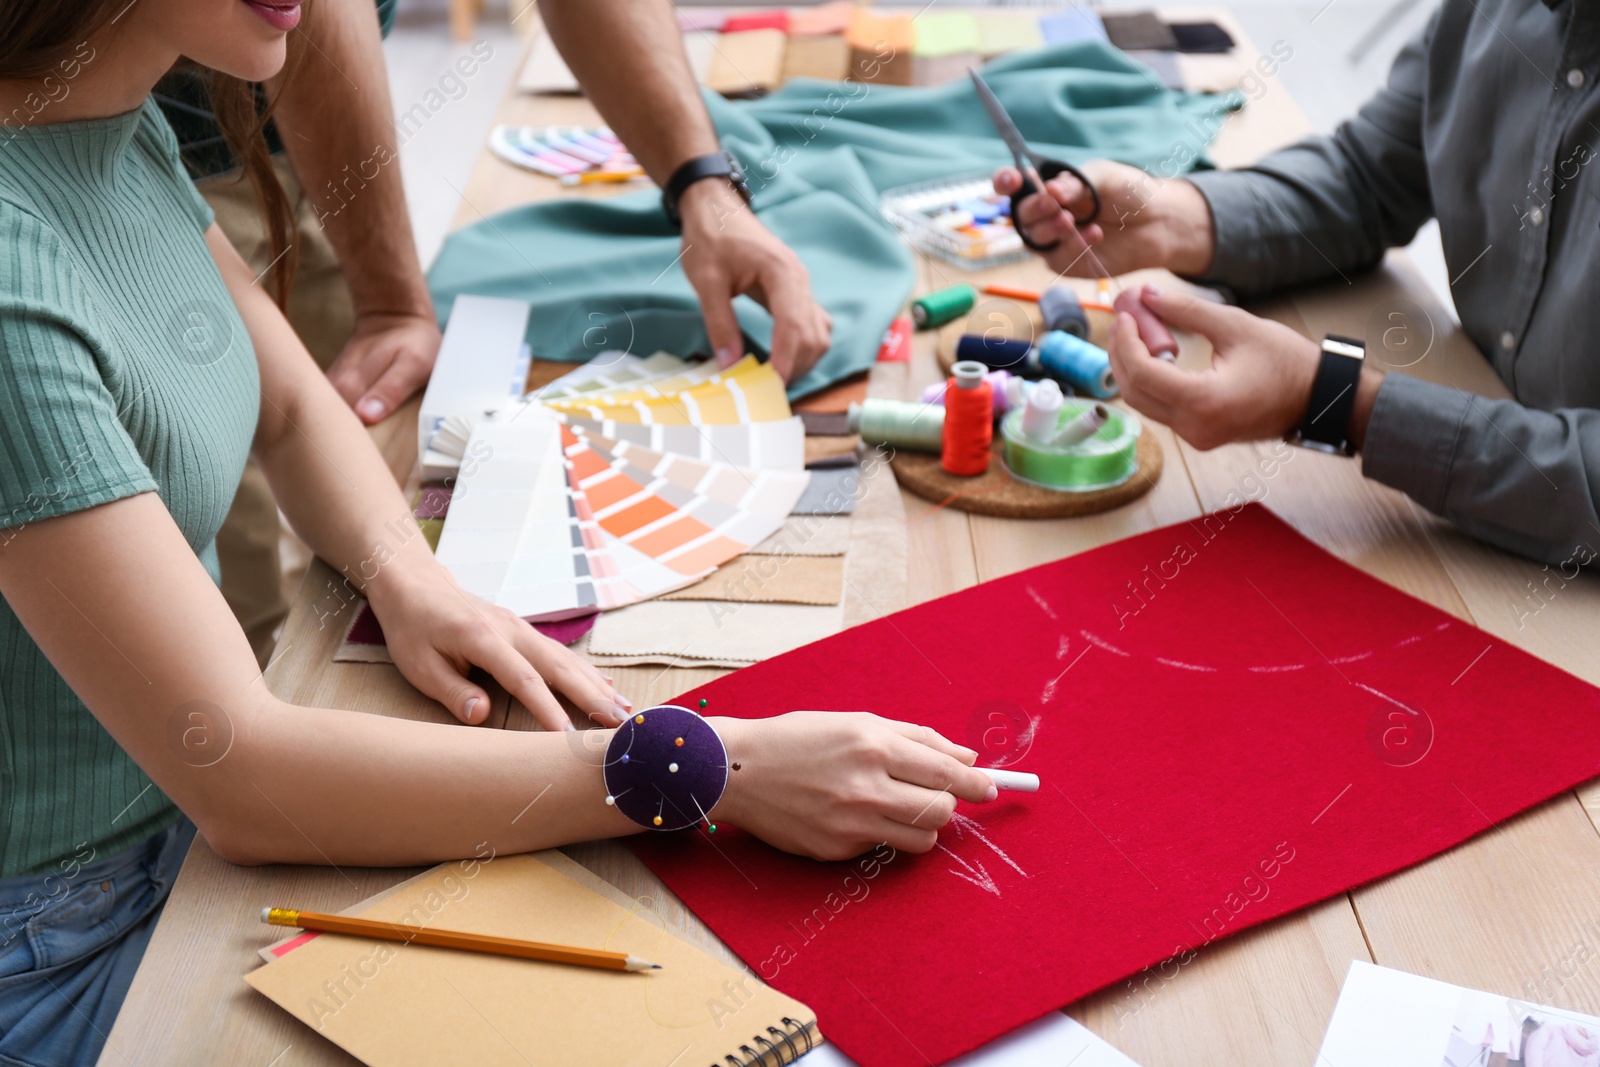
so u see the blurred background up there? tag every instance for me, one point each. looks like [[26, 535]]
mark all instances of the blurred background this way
[[1342, 53]]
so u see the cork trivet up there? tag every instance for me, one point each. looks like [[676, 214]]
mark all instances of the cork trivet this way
[[997, 493]]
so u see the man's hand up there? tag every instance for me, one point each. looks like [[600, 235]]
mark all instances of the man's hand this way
[[1143, 221], [388, 358], [1258, 384], [726, 252]]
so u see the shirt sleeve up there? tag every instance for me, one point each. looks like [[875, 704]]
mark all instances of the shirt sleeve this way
[[1328, 206], [62, 447], [1523, 479]]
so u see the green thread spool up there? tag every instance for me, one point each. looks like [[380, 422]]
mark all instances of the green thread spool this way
[[1108, 458], [945, 305], [914, 427]]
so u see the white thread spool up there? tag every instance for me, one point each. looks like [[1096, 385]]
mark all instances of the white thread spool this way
[[1081, 428], [1042, 411]]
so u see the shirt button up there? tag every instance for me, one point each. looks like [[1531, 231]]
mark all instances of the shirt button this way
[[105, 887], [1508, 340], [1536, 216], [1575, 78]]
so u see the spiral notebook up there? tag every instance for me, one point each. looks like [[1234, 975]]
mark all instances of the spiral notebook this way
[[395, 1005]]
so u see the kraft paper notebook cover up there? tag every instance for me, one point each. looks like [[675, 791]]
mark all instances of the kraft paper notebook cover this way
[[393, 1005]]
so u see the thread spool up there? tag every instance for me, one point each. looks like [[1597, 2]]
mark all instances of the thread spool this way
[[1085, 367], [1107, 458], [1080, 429], [968, 421], [1000, 353], [1152, 331], [1040, 415], [1061, 310], [899, 424], [942, 306], [999, 381]]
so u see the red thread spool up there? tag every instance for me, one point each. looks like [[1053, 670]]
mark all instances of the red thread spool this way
[[968, 420], [1152, 331]]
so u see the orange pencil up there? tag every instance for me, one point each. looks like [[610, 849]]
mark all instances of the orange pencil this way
[[1011, 292], [495, 946]]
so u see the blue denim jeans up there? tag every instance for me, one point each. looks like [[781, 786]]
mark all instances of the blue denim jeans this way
[[70, 942]]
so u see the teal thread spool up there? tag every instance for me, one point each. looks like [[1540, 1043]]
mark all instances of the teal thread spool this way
[[899, 424], [1085, 367], [1108, 458], [942, 306]]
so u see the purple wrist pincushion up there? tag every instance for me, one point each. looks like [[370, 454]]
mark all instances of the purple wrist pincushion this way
[[665, 768]]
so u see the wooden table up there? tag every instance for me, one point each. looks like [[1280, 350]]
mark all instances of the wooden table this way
[[1513, 911]]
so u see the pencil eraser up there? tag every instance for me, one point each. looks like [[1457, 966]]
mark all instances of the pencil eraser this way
[[266, 915]]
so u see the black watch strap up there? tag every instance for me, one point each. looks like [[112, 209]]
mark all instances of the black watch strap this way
[[715, 165], [1333, 394]]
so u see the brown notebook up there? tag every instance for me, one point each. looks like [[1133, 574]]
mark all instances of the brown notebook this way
[[394, 1005]]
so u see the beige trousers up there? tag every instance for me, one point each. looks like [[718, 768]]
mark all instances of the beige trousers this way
[[251, 543]]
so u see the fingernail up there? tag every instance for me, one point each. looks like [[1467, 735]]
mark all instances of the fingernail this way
[[1152, 292], [993, 792], [623, 702], [466, 713], [727, 356], [969, 751], [566, 724], [372, 408]]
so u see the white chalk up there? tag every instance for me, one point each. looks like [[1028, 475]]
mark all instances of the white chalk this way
[[1016, 781]]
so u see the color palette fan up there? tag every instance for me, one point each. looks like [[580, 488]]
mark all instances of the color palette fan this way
[[628, 478]]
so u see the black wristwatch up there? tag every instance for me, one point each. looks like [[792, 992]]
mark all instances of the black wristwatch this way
[[1326, 424], [717, 165]]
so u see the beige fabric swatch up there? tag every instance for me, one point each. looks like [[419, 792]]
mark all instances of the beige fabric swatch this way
[[699, 630], [771, 580], [808, 535], [825, 57], [747, 63]]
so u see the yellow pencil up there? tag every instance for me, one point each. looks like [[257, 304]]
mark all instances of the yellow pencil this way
[[496, 946], [591, 177]]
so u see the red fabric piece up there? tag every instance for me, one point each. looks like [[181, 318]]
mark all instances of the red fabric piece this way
[[366, 630], [765, 20], [896, 345], [1230, 724]]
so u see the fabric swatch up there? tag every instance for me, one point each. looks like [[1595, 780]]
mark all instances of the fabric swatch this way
[[825, 56], [364, 641], [822, 452], [835, 398], [808, 535], [701, 48], [1201, 37], [1000, 32], [945, 33], [1138, 30], [701, 630], [1230, 725], [826, 423], [831, 492], [824, 19], [1071, 26], [747, 63], [757, 20], [771, 580], [433, 501]]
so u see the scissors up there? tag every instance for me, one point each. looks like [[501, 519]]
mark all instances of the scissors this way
[[1029, 160]]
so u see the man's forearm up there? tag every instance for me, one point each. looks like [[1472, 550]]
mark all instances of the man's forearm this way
[[629, 58], [337, 125]]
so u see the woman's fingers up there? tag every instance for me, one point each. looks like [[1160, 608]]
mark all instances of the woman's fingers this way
[[566, 672], [904, 838], [497, 655], [439, 679], [927, 759]]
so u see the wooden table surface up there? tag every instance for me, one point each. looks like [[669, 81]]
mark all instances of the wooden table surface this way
[[1513, 911]]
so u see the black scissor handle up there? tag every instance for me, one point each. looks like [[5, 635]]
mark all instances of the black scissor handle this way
[[1049, 168]]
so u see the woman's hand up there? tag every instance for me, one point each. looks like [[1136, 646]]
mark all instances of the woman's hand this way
[[437, 632], [1258, 384], [1143, 221], [831, 785]]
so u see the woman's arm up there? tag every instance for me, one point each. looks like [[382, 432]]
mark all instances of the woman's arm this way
[[340, 498], [120, 604]]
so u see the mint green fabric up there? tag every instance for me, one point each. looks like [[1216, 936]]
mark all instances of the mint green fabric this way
[[124, 368], [604, 274]]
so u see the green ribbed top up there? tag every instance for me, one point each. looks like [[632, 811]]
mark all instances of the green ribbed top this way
[[124, 368]]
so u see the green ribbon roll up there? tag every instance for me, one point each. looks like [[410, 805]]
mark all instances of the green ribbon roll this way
[[1108, 458]]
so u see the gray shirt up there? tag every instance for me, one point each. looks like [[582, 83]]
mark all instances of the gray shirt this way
[[1489, 122]]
